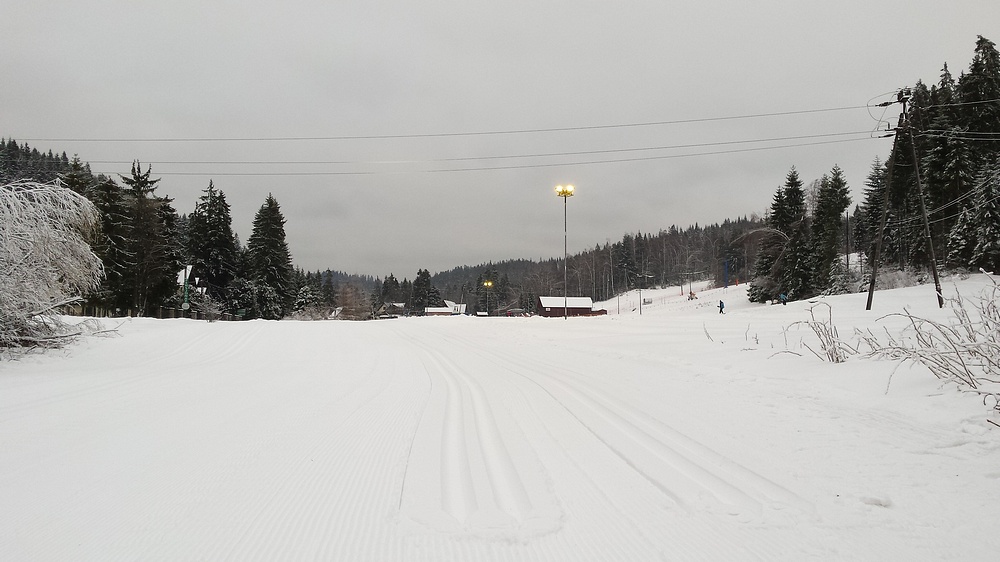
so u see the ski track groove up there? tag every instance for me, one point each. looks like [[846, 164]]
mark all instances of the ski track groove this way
[[706, 469], [508, 489], [640, 544], [594, 488], [469, 419], [458, 493], [694, 541]]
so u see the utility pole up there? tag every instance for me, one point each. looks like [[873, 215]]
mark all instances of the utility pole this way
[[927, 224], [902, 97]]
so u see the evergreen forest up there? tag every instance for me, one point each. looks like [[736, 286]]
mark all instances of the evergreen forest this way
[[934, 199]]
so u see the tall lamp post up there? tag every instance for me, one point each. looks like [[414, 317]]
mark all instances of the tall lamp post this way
[[565, 191], [489, 285]]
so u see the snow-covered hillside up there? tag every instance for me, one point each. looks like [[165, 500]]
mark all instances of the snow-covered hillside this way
[[677, 434]]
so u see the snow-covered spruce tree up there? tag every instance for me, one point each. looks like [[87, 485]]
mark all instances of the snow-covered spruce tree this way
[[421, 297], [796, 264], [961, 241], [833, 199], [45, 260], [947, 162], [328, 291], [978, 89], [270, 263], [870, 217], [986, 219], [111, 246], [78, 178], [768, 271], [212, 244], [787, 249], [153, 246]]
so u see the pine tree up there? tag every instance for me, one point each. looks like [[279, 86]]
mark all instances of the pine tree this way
[[78, 178], [503, 290], [270, 262], [328, 290], [947, 162], [421, 291], [153, 250], [390, 290], [406, 294], [827, 226], [111, 245], [626, 267], [961, 241], [795, 269], [986, 219], [783, 262], [307, 295], [978, 89], [947, 171], [211, 243], [794, 209], [165, 285], [869, 217], [763, 285]]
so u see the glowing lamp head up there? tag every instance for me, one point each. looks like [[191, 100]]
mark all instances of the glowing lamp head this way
[[565, 190]]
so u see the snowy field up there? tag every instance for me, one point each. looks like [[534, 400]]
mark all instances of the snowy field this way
[[678, 434]]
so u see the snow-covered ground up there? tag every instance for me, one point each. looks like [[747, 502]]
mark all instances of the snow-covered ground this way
[[680, 434]]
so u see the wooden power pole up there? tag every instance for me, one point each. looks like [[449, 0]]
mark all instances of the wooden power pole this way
[[902, 97]]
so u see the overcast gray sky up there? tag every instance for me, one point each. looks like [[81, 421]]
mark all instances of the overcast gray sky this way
[[368, 98]]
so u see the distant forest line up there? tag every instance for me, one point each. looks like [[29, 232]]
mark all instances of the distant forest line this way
[[945, 160]]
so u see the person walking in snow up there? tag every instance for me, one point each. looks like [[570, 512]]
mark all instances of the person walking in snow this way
[[722, 307]]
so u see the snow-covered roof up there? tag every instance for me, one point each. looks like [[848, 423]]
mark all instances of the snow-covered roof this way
[[571, 302], [448, 308]]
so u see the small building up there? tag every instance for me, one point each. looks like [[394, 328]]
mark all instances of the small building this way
[[552, 307], [449, 309]]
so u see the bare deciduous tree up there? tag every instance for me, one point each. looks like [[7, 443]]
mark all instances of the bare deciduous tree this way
[[45, 260]]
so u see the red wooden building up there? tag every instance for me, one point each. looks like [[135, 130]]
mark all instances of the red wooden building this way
[[553, 307]]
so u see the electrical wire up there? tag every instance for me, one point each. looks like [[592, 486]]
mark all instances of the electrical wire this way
[[957, 104], [962, 137], [474, 158], [993, 177], [454, 134], [510, 167]]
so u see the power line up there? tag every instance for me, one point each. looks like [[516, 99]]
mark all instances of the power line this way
[[496, 157], [965, 136], [956, 104], [971, 193], [511, 167], [645, 158], [454, 134]]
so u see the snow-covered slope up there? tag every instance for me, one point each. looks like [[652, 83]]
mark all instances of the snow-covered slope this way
[[678, 434]]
